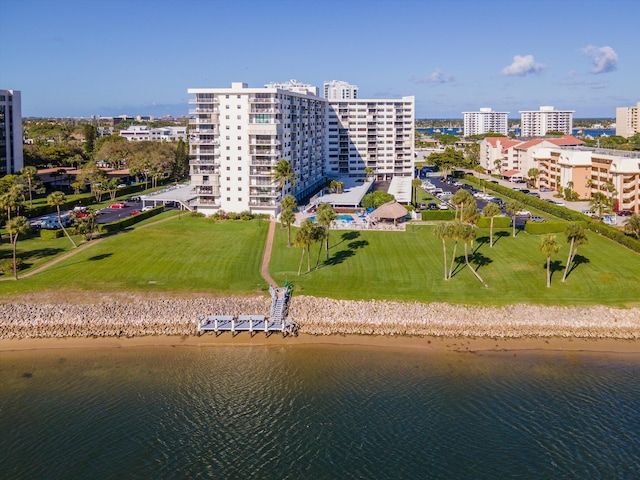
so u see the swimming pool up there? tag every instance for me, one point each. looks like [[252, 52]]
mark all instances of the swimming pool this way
[[344, 218]]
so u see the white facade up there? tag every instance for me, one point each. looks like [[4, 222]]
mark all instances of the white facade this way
[[628, 121], [239, 134], [11, 160], [340, 90], [536, 123], [371, 133], [168, 134], [136, 133], [485, 121]]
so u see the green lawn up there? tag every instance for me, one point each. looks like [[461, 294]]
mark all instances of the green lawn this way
[[197, 255], [184, 255], [409, 266]]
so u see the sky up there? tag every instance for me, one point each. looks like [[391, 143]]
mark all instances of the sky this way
[[74, 58]]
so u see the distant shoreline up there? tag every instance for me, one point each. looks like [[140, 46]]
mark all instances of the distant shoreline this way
[[122, 320]]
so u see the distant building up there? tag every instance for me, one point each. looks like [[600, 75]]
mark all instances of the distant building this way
[[628, 121], [339, 90], [136, 133], [11, 160], [485, 121], [536, 123], [168, 134]]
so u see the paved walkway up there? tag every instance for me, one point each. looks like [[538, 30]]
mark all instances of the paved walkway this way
[[266, 258]]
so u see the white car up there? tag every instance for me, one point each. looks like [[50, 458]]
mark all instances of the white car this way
[[144, 209], [523, 213], [443, 206]]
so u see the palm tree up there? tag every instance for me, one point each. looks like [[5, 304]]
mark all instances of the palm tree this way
[[533, 174], [16, 226], [325, 215], [283, 173], [9, 201], [632, 225], [287, 218], [59, 198], [549, 246], [460, 199], [443, 231], [599, 202], [30, 173], [415, 184], [513, 208], [304, 238], [368, 171], [576, 236], [490, 211], [468, 235], [455, 235]]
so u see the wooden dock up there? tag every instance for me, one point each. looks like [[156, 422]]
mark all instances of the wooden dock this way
[[245, 323]]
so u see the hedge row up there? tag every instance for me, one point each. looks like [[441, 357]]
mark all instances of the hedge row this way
[[437, 214], [535, 228], [51, 234], [498, 222], [563, 213], [128, 221]]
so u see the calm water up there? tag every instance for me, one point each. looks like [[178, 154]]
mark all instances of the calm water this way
[[317, 412]]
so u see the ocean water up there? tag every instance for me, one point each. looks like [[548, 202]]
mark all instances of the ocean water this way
[[317, 412]]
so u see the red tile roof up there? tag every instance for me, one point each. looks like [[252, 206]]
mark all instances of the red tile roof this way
[[511, 173]]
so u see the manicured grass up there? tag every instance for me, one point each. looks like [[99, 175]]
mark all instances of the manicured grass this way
[[183, 255], [409, 266], [197, 255]]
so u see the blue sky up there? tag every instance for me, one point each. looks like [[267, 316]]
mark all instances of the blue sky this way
[[137, 57]]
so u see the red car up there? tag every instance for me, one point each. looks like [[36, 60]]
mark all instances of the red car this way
[[118, 205], [134, 212]]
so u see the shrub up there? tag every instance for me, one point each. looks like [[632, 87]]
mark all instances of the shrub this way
[[128, 221], [6, 265], [51, 234], [197, 214], [437, 214], [615, 235], [498, 222]]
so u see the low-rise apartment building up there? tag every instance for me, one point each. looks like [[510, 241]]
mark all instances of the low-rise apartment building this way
[[615, 173], [138, 133]]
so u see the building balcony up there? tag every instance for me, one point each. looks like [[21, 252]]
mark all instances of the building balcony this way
[[264, 192], [262, 100], [194, 111], [204, 141], [265, 152], [205, 161], [273, 142], [202, 100], [262, 203]]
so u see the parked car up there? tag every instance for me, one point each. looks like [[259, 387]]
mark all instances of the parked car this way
[[534, 194], [432, 206], [523, 213], [443, 206], [134, 212], [625, 213], [535, 218], [118, 205], [144, 209], [546, 189]]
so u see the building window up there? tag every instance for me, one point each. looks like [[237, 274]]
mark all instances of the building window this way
[[239, 179], [228, 167]]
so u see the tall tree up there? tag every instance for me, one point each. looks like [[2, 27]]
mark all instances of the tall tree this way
[[632, 225], [283, 173], [600, 203], [549, 246], [16, 226], [533, 175], [325, 215], [460, 199], [455, 235], [90, 134], [287, 215], [443, 231], [576, 237], [56, 199], [305, 236], [513, 208], [415, 184], [30, 175], [491, 210], [467, 235]]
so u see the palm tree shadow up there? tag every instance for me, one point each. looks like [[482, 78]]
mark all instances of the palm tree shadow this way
[[345, 237], [460, 264], [339, 257], [480, 260], [577, 260], [100, 257], [554, 266]]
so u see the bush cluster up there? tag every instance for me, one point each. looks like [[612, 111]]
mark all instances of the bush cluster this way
[[51, 234], [6, 265], [498, 222], [437, 214]]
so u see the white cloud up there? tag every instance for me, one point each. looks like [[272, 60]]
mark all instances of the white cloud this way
[[522, 65], [604, 59], [438, 76]]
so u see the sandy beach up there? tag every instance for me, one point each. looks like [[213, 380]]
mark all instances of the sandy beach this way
[[119, 320]]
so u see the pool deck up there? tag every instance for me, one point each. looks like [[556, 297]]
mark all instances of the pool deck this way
[[358, 223]]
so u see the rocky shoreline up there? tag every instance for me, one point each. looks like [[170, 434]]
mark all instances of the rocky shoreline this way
[[316, 316]]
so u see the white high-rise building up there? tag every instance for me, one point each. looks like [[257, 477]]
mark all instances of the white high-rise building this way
[[339, 90], [11, 160], [239, 134], [371, 133], [485, 121], [536, 123], [628, 121]]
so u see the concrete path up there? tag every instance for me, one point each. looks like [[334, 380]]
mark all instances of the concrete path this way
[[266, 258]]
